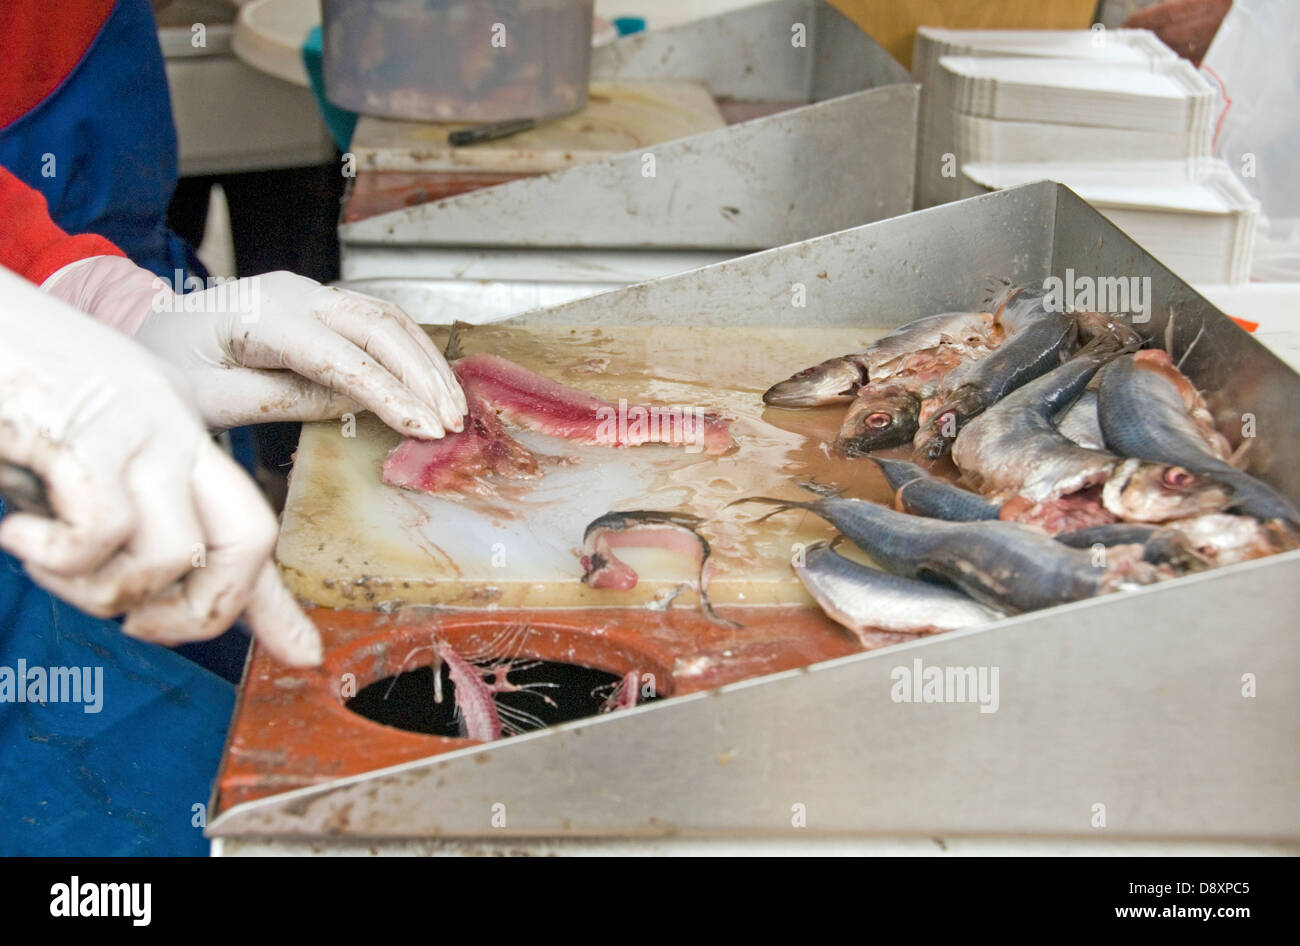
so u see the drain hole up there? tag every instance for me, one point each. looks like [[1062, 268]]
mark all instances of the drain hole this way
[[407, 700]]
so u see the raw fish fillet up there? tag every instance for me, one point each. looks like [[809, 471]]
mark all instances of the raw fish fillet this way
[[536, 403], [497, 389], [456, 462]]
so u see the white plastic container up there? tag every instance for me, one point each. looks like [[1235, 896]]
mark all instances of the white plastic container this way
[[457, 60]]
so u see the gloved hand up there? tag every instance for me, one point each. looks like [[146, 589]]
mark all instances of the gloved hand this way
[[142, 494], [276, 346]]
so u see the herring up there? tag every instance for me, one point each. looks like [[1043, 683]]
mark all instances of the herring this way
[[919, 492], [1039, 339], [837, 380], [1149, 409], [1003, 565], [867, 600], [1014, 451]]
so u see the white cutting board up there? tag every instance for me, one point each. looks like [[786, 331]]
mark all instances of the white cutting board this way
[[350, 541], [618, 117]]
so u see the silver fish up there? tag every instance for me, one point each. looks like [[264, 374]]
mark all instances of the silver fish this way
[[867, 600], [1039, 341], [1012, 448], [1149, 409], [1000, 564], [1079, 422], [837, 380], [922, 494]]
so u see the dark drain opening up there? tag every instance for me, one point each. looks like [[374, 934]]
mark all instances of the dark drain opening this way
[[407, 700]]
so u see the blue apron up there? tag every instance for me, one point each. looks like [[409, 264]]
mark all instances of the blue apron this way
[[125, 769], [102, 146], [127, 778]]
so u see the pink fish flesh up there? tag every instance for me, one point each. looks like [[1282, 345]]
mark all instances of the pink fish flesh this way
[[533, 402], [659, 529], [458, 460], [497, 389]]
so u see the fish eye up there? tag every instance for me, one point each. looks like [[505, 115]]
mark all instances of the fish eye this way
[[1177, 477], [878, 420]]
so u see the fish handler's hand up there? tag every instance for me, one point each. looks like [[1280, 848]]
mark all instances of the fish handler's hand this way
[[153, 520], [276, 346]]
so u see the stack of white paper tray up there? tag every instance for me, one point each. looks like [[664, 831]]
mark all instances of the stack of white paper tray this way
[[1050, 95], [1192, 214]]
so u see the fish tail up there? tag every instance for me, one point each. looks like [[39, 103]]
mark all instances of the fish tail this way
[[782, 505], [821, 489]]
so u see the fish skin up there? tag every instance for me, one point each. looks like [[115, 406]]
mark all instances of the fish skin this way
[[922, 494], [1079, 422], [1000, 564], [898, 473], [1014, 454], [1161, 544], [1035, 348], [1013, 448], [867, 600], [837, 380], [602, 568], [939, 499], [1143, 409], [644, 527]]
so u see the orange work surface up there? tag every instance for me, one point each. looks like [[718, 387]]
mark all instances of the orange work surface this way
[[292, 727]]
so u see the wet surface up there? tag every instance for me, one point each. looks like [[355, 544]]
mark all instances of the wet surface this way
[[350, 541], [294, 728]]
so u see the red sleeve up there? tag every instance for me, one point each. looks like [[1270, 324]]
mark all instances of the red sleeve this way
[[40, 43], [31, 244]]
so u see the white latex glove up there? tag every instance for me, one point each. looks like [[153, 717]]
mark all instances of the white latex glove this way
[[276, 346], [140, 491]]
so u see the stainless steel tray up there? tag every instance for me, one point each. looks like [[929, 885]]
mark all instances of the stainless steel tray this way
[[1122, 717], [844, 159]]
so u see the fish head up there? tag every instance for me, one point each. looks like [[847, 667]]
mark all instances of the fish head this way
[[935, 438], [879, 419], [1142, 491], [1178, 551], [835, 381]]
